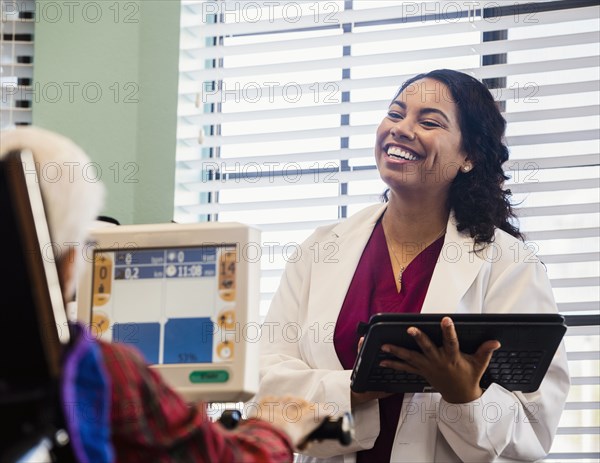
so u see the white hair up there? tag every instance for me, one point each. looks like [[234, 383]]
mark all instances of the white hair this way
[[73, 198]]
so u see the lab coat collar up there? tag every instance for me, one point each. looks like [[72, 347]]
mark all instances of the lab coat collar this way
[[455, 271], [457, 267]]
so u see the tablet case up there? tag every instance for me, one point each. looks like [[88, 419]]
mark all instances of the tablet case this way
[[528, 344]]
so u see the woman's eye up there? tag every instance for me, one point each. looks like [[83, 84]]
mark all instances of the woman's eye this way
[[431, 124], [394, 115]]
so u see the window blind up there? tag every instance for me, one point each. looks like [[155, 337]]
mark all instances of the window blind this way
[[279, 103], [16, 62]]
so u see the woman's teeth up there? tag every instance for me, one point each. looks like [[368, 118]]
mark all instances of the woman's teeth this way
[[398, 153]]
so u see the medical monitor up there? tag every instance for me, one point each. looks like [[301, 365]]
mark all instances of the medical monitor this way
[[186, 296]]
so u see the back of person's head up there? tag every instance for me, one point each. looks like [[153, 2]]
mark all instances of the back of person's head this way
[[73, 197]]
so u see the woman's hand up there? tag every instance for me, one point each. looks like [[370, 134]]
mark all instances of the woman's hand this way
[[449, 371], [357, 398]]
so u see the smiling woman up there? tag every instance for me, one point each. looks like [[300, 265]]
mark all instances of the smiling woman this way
[[442, 243], [460, 115]]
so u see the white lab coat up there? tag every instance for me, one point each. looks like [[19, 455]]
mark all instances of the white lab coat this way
[[298, 356]]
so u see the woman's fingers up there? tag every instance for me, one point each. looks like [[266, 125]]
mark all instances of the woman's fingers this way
[[402, 366], [454, 374], [428, 348], [415, 358], [485, 351], [450, 338]]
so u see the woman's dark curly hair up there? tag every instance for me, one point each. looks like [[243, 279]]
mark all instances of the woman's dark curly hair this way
[[478, 199]]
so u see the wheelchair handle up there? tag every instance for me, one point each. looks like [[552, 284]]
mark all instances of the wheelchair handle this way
[[340, 429]]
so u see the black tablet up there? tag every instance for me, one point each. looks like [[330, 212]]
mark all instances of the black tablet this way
[[529, 342]]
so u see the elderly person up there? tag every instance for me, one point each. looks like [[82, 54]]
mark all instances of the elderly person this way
[[147, 421]]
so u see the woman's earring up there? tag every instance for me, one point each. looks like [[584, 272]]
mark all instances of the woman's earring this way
[[466, 168]]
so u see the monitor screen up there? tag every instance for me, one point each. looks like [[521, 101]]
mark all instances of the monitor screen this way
[[184, 295]]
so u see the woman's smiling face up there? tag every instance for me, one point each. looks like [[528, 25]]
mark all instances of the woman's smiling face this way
[[419, 143]]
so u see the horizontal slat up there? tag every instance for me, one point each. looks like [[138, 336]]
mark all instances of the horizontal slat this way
[[267, 180], [15, 110], [583, 456], [588, 430], [582, 406], [568, 233], [187, 160], [583, 331], [17, 65], [586, 306], [588, 330], [575, 283], [189, 157], [14, 20], [257, 180], [544, 211], [584, 355], [227, 164], [293, 226], [548, 114], [575, 257], [556, 137], [585, 380], [190, 160], [246, 139], [281, 204], [558, 185], [554, 162]]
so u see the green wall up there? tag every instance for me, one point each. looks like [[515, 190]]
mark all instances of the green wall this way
[[105, 75]]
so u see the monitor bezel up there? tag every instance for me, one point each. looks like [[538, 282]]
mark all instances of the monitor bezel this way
[[30, 220], [243, 369]]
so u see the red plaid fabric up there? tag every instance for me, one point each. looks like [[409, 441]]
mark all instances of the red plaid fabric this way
[[152, 424]]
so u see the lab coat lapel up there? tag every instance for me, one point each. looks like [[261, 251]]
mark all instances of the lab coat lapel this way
[[333, 271], [455, 271]]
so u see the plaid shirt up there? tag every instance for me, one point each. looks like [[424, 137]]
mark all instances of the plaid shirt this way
[[151, 423]]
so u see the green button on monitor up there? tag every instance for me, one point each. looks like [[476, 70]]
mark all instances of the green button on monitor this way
[[209, 376]]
